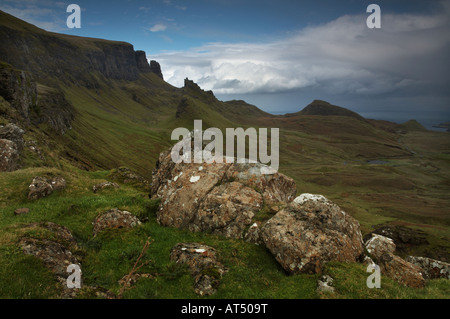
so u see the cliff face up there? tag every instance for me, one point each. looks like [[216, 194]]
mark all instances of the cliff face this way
[[58, 57], [18, 88]]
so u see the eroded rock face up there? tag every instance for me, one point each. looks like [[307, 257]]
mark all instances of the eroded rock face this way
[[203, 264], [311, 231], [431, 268], [42, 187], [221, 198], [115, 218]]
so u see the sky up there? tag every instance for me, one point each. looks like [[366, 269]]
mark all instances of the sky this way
[[280, 55]]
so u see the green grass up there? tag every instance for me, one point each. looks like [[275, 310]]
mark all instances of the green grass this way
[[106, 258]]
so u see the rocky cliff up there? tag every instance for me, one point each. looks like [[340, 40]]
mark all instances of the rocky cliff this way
[[58, 57]]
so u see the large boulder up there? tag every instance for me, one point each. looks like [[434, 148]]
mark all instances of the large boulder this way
[[222, 198], [311, 231]]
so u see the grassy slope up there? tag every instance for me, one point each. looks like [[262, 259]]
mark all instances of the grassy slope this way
[[253, 272]]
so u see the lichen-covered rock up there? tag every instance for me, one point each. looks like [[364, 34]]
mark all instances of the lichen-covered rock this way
[[104, 185], [115, 218], [222, 198], [9, 156], [431, 268], [311, 231], [404, 238], [401, 271], [203, 265], [253, 235], [42, 186], [13, 133], [379, 245], [382, 250], [227, 210], [39, 188], [56, 253], [325, 284]]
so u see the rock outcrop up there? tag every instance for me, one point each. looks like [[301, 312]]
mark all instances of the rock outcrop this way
[[115, 218], [382, 251], [11, 145], [104, 185], [403, 237], [156, 68], [9, 156], [18, 88], [43, 186], [56, 254], [431, 268], [311, 231], [203, 265], [221, 198]]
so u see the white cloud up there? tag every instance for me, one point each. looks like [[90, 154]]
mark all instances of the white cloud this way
[[342, 56], [158, 28]]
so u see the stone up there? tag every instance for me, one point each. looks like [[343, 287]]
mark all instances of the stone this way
[[13, 133], [325, 284], [104, 185], [115, 218], [431, 268], [379, 245], [42, 186], [21, 211], [311, 231], [401, 271], [382, 249], [221, 198], [203, 265], [56, 254], [9, 156], [253, 235], [404, 238], [39, 188]]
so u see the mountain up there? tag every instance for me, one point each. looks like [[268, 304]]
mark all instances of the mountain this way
[[318, 107]]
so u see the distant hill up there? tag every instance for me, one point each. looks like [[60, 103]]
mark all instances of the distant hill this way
[[412, 125], [318, 107]]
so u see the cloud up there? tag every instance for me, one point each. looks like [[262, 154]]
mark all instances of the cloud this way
[[339, 57], [45, 14], [158, 28]]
